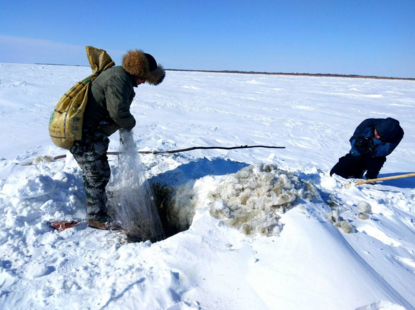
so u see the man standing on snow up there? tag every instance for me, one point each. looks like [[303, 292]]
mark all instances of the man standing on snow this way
[[372, 141], [107, 110]]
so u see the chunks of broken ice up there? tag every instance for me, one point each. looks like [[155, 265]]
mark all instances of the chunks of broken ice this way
[[253, 199], [364, 207]]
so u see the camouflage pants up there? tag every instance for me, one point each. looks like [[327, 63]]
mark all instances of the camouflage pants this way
[[91, 155]]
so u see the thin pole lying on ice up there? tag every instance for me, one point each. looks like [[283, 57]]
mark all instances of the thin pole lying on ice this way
[[382, 179], [177, 151], [212, 147]]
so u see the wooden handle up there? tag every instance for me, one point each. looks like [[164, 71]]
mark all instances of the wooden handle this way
[[382, 179]]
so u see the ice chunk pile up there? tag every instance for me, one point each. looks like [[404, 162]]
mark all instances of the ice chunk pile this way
[[254, 198]]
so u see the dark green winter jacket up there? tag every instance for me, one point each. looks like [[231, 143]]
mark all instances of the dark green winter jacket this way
[[109, 101]]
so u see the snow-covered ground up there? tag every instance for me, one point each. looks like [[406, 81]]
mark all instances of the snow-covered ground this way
[[297, 259]]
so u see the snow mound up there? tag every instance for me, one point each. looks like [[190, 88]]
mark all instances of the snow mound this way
[[38, 186], [253, 199]]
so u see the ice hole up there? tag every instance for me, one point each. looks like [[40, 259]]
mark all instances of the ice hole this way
[[251, 200]]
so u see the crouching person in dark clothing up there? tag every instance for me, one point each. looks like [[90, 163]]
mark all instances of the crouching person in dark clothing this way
[[372, 141]]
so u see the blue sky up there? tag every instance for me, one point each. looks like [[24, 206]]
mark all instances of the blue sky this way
[[366, 37]]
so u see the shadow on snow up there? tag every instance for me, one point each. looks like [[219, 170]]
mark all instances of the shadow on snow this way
[[401, 183], [198, 169]]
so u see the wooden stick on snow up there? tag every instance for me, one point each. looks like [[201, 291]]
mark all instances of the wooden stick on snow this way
[[48, 158], [382, 179]]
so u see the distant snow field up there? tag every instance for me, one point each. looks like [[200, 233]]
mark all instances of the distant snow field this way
[[261, 228]]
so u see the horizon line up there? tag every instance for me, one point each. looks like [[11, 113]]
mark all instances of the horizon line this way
[[358, 76]]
